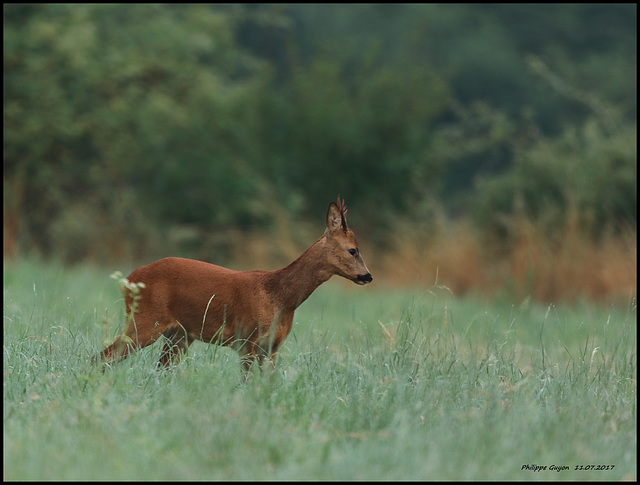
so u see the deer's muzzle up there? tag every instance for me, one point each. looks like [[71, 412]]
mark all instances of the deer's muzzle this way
[[363, 279]]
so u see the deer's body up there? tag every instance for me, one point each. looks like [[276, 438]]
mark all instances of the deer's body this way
[[252, 311]]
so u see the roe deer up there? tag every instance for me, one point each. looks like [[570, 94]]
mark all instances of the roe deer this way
[[251, 311]]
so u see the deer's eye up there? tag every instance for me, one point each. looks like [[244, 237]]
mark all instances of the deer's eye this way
[[353, 252]]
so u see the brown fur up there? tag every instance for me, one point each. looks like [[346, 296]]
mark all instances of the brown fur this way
[[252, 311]]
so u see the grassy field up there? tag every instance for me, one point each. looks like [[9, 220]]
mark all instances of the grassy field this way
[[372, 384]]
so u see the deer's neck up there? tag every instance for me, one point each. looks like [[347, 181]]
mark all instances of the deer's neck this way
[[293, 284]]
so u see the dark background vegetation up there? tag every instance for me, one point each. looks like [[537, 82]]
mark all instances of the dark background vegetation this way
[[137, 131]]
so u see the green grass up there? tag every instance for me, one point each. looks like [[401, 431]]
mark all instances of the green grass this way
[[372, 384]]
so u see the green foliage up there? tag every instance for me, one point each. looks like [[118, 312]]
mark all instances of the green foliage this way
[[362, 135], [595, 181], [105, 101], [125, 124], [482, 49]]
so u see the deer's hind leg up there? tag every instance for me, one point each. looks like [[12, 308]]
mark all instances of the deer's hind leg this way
[[118, 350], [139, 334]]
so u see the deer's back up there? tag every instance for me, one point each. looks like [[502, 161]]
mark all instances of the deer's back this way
[[201, 296]]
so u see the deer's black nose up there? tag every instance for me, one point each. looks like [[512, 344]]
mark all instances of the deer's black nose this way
[[363, 279]]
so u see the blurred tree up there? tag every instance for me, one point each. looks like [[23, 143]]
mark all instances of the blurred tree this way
[[587, 173], [365, 135], [141, 103], [481, 49], [123, 120]]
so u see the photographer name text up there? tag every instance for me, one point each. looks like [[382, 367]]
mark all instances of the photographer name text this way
[[562, 468]]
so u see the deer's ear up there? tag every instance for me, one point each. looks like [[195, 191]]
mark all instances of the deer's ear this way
[[335, 219]]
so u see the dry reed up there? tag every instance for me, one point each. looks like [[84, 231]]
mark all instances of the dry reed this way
[[568, 267]]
